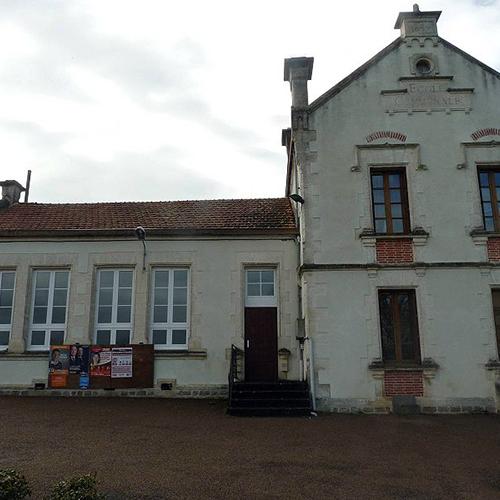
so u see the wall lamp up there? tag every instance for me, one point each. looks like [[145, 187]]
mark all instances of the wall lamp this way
[[297, 198], [140, 232]]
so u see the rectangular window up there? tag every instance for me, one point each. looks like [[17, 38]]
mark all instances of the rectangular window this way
[[170, 308], [7, 285], [496, 313], [260, 287], [399, 327], [390, 201], [489, 185], [48, 308], [114, 306]]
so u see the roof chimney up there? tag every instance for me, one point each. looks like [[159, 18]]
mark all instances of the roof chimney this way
[[298, 70], [417, 23], [11, 192]]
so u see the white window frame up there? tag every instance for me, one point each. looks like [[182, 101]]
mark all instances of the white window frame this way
[[114, 325], [7, 327], [261, 300], [47, 326], [170, 325]]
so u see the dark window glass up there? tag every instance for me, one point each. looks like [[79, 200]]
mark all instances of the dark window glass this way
[[489, 183], [56, 337], [4, 338], [159, 336], [398, 326], [390, 201], [38, 337], [122, 337], [496, 314], [103, 337]]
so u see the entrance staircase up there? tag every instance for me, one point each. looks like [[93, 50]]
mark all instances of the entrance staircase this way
[[283, 398]]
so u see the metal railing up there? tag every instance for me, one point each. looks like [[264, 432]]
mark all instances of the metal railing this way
[[234, 369]]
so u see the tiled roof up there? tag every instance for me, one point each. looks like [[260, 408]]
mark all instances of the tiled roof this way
[[247, 216]]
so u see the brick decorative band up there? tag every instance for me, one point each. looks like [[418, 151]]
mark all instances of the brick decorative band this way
[[394, 251], [484, 132], [493, 249], [403, 383]]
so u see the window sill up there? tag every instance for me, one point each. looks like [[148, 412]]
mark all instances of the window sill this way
[[480, 236], [419, 236], [493, 364], [180, 354], [428, 366]]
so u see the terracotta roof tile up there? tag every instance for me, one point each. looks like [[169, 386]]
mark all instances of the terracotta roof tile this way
[[265, 215]]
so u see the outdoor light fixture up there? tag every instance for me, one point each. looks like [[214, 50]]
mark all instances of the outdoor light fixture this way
[[140, 232], [297, 198]]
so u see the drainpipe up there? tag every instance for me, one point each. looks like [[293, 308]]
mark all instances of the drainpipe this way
[[311, 372]]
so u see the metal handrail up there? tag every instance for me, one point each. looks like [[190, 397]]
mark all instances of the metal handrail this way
[[234, 375]]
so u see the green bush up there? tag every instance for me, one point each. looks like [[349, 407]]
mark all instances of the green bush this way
[[76, 488], [13, 486]]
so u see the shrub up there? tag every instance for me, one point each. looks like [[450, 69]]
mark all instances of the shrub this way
[[13, 485], [76, 488]]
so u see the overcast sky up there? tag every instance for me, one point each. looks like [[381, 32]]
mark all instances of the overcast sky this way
[[159, 100]]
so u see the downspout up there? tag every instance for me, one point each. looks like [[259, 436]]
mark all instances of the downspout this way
[[311, 373]]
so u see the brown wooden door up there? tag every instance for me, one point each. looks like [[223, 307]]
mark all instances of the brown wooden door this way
[[261, 344]]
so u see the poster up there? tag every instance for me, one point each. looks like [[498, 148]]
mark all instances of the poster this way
[[79, 358], [121, 362], [58, 366], [100, 361]]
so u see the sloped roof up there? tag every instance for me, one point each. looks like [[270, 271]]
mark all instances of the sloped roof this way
[[357, 73], [244, 216]]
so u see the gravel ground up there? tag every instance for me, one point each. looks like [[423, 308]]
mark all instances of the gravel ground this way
[[151, 448]]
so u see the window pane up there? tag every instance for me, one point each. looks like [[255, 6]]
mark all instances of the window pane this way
[[396, 211], [253, 290], [161, 296], [123, 314], [406, 327], [56, 337], [103, 337], [380, 226], [161, 278], [105, 296], [5, 314], [122, 337], [104, 314], [180, 314], [106, 279], [178, 337], [159, 336], [395, 196], [125, 279], [394, 180], [124, 296], [387, 327], [378, 196], [4, 338], [42, 279], [267, 276], [60, 297], [485, 194], [8, 281], [38, 337], [61, 279], [497, 178], [487, 209], [180, 296], [488, 224], [267, 289], [253, 276], [41, 297], [397, 226], [39, 315], [483, 179], [6, 297], [378, 181], [58, 315], [379, 211], [160, 314], [180, 277]]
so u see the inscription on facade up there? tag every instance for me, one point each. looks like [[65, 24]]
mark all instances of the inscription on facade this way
[[427, 96], [420, 28]]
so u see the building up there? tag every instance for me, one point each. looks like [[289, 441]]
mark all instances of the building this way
[[376, 278]]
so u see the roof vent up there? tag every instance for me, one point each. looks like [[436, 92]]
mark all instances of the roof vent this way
[[11, 192]]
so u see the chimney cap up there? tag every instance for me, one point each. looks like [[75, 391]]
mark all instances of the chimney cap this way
[[11, 182], [416, 14], [300, 63]]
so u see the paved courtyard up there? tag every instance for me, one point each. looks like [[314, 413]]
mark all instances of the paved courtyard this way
[[146, 448]]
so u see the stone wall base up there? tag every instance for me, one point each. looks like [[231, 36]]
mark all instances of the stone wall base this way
[[186, 392]]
